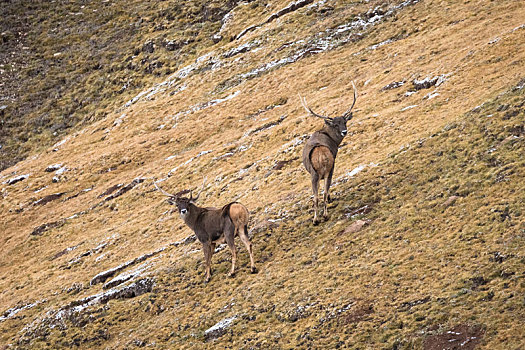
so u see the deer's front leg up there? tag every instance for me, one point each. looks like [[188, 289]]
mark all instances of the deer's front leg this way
[[206, 248]]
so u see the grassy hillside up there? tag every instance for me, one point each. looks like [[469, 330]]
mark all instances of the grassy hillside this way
[[65, 63], [424, 246]]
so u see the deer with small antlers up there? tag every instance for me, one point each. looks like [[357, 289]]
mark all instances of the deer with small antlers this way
[[320, 151], [214, 226]]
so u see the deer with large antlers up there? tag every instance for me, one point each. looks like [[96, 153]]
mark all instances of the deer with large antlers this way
[[320, 151], [214, 226]]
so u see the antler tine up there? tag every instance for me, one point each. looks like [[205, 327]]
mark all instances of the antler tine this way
[[347, 113], [309, 110], [162, 191], [202, 189]]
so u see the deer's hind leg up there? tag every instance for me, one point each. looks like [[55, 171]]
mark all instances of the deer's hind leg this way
[[229, 234], [315, 190], [243, 234], [326, 195], [323, 164]]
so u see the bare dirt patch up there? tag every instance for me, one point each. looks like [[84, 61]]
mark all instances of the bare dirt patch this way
[[464, 336]]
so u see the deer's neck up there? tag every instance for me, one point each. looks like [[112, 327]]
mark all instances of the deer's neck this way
[[193, 215], [333, 139]]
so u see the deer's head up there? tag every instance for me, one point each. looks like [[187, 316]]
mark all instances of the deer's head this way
[[337, 125], [184, 204]]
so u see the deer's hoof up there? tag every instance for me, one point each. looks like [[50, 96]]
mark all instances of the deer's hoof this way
[[207, 280], [326, 217], [316, 221], [254, 270], [231, 274]]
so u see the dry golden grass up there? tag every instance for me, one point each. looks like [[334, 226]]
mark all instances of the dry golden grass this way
[[419, 267]]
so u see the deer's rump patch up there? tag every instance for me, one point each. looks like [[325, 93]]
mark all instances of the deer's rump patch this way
[[322, 161]]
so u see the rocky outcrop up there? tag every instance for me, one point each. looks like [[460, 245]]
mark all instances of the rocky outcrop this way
[[73, 312], [47, 226], [16, 179], [326, 40], [125, 189], [292, 6], [103, 276], [49, 198]]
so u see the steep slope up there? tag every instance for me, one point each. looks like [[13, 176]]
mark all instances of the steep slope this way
[[432, 167]]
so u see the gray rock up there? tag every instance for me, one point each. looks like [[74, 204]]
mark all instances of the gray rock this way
[[148, 46], [427, 82], [49, 198], [47, 226], [16, 179], [219, 328], [264, 225], [393, 85], [125, 189], [76, 312], [216, 38], [190, 239], [124, 277], [53, 167]]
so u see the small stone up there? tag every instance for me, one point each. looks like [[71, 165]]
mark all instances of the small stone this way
[[356, 226], [450, 201], [509, 139], [216, 38], [53, 167], [265, 225]]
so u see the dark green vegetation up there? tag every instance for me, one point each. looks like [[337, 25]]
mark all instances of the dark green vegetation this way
[[65, 63]]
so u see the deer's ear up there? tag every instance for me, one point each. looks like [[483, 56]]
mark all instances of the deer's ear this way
[[329, 122]]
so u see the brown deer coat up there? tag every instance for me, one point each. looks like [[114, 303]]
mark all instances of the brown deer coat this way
[[320, 138]]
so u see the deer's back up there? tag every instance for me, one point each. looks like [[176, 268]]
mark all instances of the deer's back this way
[[212, 223]]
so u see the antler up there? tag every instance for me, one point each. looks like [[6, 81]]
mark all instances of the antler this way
[[309, 110], [198, 194], [163, 192], [347, 114]]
